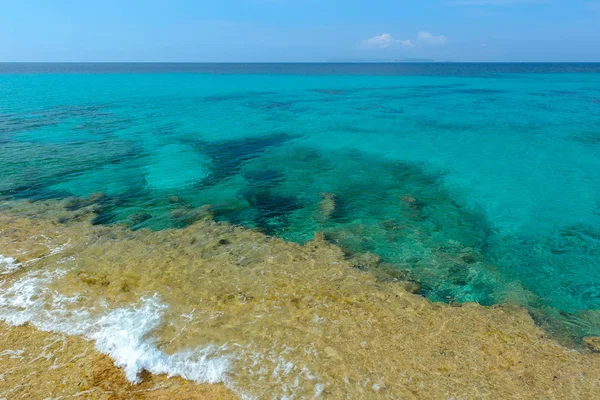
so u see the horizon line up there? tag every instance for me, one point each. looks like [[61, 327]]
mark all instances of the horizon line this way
[[331, 61], [300, 62]]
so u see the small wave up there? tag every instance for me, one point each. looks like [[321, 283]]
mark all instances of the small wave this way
[[8, 265], [121, 333]]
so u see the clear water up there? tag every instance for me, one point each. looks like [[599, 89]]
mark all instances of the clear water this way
[[478, 181]]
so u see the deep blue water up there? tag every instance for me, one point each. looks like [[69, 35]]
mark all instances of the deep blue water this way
[[367, 69], [479, 181]]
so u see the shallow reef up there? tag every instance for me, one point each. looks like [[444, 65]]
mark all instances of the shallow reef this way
[[239, 313]]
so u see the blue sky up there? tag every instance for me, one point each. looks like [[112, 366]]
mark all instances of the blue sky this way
[[299, 30]]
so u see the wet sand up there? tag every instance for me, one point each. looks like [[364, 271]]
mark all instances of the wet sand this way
[[42, 365], [289, 320]]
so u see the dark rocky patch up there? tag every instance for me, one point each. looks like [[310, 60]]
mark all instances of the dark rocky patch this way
[[187, 215], [139, 218], [175, 200], [364, 261], [229, 156], [264, 178], [105, 218], [272, 210]]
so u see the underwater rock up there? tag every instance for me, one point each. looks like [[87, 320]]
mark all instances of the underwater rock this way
[[74, 203], [454, 303], [228, 157], [264, 178], [327, 206], [459, 274], [319, 238], [179, 213], [593, 343], [138, 218], [63, 219], [93, 278], [412, 202], [351, 240], [96, 208], [175, 199], [412, 287], [272, 210], [364, 261], [190, 215], [97, 197], [104, 218], [469, 258], [77, 216], [391, 225], [79, 208], [387, 272]]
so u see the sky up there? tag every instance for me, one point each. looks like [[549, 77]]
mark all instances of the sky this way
[[298, 30]]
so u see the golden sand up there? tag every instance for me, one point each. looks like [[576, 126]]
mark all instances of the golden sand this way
[[292, 320]]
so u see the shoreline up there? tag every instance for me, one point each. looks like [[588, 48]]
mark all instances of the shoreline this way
[[288, 318], [41, 364]]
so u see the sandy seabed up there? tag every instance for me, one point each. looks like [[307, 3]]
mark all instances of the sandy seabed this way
[[106, 312]]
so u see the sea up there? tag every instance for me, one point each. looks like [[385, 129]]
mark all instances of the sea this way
[[478, 183]]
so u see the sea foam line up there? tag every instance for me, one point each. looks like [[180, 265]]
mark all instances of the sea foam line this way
[[123, 334], [120, 333], [8, 265]]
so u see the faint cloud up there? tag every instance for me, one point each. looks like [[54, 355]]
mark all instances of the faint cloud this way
[[429, 38], [386, 40]]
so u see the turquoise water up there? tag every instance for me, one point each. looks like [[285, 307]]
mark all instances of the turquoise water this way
[[479, 182]]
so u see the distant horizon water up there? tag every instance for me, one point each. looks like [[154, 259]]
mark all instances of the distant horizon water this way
[[377, 68]]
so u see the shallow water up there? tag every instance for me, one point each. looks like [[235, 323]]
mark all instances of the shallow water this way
[[218, 304], [476, 182]]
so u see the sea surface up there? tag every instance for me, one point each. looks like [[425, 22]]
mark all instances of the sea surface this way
[[477, 182]]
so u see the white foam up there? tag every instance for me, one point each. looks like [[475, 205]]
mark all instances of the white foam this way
[[125, 334], [30, 300], [294, 380], [53, 251], [8, 265], [121, 333]]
